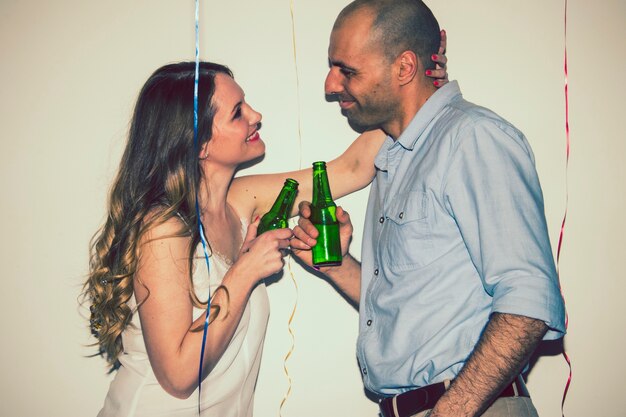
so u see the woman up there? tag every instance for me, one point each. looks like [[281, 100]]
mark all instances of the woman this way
[[147, 258]]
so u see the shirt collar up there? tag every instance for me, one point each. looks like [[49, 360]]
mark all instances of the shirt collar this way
[[435, 103], [408, 138]]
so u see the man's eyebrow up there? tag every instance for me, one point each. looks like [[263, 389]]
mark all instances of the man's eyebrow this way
[[341, 64]]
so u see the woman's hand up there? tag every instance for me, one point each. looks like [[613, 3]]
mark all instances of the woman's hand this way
[[440, 73], [262, 256]]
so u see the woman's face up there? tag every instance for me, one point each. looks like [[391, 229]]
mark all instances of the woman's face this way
[[235, 137]]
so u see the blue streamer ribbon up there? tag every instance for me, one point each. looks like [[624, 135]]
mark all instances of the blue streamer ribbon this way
[[200, 226]]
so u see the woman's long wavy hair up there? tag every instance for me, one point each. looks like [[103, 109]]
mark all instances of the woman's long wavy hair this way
[[158, 179]]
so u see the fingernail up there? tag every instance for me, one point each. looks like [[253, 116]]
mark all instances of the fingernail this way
[[436, 83], [428, 72], [317, 268], [434, 56]]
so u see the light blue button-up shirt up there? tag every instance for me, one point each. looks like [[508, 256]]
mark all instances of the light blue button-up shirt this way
[[455, 230]]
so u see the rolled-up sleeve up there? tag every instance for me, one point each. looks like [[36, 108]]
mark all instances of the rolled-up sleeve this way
[[492, 190]]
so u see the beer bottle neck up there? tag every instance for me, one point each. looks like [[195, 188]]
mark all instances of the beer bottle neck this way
[[284, 202], [321, 189]]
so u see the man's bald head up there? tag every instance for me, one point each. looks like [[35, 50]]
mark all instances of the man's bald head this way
[[398, 26]]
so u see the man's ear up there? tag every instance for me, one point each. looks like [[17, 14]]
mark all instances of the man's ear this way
[[409, 66]]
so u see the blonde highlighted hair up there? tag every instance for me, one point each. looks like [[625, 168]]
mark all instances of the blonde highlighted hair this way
[[158, 178]]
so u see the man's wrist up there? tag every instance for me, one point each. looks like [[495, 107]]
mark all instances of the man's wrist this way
[[331, 271]]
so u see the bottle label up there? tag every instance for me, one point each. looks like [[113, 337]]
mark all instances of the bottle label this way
[[327, 251]]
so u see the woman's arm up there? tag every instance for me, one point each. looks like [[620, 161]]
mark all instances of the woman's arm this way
[[162, 287], [351, 171], [354, 169]]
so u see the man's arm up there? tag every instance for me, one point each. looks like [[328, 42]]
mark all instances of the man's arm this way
[[492, 191], [347, 277], [503, 350]]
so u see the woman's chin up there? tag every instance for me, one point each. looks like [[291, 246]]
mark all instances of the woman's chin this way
[[257, 147], [255, 157]]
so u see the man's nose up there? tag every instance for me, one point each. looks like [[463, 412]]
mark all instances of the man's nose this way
[[333, 85]]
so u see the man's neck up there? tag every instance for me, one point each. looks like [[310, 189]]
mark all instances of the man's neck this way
[[409, 106]]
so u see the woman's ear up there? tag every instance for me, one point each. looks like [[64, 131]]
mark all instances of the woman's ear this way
[[204, 150]]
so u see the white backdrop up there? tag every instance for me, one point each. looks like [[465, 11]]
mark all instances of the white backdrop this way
[[70, 73]]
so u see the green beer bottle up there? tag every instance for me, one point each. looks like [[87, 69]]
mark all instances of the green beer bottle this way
[[327, 251], [277, 217]]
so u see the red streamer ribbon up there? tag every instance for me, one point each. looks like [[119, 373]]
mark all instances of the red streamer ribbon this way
[[562, 232]]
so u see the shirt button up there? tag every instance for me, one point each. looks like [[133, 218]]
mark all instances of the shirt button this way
[[401, 215], [369, 322], [376, 272], [382, 219], [364, 371]]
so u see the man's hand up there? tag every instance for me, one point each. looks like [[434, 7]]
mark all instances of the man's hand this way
[[305, 233], [347, 277]]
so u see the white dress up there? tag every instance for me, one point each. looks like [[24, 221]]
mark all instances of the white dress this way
[[228, 391]]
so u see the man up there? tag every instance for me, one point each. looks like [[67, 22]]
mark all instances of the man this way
[[457, 285]]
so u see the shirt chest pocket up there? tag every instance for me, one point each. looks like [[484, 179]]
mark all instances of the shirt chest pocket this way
[[406, 241]]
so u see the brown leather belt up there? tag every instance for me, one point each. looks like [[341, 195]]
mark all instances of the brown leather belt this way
[[412, 402]]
